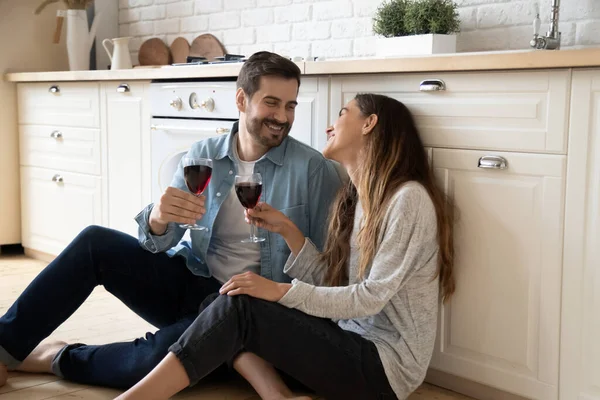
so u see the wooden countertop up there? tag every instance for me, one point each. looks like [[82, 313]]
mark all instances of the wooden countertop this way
[[478, 61]]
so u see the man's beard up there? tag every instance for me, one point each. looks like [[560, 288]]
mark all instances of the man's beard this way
[[254, 127]]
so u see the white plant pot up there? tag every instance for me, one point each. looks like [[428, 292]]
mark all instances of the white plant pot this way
[[78, 40], [415, 45]]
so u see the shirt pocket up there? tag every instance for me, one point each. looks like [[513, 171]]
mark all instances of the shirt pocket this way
[[299, 216]]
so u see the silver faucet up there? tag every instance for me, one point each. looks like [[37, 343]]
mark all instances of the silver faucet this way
[[552, 39]]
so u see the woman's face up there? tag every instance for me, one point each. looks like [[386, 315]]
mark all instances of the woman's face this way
[[345, 138]]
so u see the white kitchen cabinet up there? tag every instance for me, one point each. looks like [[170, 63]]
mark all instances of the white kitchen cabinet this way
[[60, 158], [126, 130], [59, 147], [500, 111], [501, 327], [580, 345], [56, 205], [61, 103], [311, 118]]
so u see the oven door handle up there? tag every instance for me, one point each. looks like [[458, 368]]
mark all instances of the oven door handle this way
[[167, 128]]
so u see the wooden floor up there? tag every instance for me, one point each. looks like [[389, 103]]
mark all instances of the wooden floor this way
[[104, 319]]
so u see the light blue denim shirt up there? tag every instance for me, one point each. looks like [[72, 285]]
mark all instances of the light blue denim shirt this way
[[297, 180]]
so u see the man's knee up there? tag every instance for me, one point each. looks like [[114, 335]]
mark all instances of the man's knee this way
[[94, 234]]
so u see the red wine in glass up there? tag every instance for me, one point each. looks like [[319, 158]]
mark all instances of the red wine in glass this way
[[248, 193], [248, 189], [197, 177], [197, 173]]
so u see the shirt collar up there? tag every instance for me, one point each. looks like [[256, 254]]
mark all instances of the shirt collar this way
[[275, 155]]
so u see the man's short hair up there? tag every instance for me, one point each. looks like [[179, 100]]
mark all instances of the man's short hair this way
[[265, 63]]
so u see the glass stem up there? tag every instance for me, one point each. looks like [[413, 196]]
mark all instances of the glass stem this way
[[252, 231]]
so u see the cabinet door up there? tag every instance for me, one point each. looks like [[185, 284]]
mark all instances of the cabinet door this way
[[56, 206], [310, 122], [580, 348], [126, 129], [501, 328]]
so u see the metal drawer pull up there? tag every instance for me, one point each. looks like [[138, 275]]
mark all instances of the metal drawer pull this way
[[123, 88], [492, 162], [222, 130], [432, 85], [56, 135], [57, 178], [54, 89]]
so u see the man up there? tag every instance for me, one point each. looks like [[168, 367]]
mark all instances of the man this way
[[164, 280]]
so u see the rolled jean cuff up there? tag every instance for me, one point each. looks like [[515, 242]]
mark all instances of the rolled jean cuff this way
[[55, 365], [188, 365], [7, 359]]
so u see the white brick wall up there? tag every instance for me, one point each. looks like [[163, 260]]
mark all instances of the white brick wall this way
[[342, 28]]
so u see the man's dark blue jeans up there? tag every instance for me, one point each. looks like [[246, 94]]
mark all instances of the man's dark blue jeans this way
[[158, 288]]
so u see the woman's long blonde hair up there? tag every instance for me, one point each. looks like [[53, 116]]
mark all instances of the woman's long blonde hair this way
[[393, 155]]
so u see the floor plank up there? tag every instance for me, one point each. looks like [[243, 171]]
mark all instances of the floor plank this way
[[104, 319]]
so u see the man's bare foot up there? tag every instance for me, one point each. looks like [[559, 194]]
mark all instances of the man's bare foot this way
[[3, 375], [40, 359]]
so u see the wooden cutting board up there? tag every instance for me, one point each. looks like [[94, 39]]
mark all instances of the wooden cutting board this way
[[154, 52], [207, 46], [180, 49]]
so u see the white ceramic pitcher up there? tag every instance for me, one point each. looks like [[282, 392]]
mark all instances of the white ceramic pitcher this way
[[120, 58]]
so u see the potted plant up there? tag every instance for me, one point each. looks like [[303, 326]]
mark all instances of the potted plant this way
[[416, 27]]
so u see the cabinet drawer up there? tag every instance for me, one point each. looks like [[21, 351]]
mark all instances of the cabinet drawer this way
[[56, 206], [68, 149], [65, 104], [519, 111]]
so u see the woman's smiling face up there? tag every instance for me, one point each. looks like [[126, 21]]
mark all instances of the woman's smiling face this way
[[345, 137]]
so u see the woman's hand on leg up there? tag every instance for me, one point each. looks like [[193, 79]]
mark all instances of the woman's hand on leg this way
[[255, 285]]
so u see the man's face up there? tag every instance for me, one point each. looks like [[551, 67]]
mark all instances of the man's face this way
[[271, 110]]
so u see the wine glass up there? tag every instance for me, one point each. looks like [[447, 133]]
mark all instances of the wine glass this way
[[248, 189], [197, 173]]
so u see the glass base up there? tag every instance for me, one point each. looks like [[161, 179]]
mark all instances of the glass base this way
[[194, 227], [254, 239]]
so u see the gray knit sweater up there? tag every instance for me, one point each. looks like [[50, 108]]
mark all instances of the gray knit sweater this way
[[396, 305]]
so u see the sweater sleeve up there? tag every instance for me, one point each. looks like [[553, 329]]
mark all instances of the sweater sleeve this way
[[306, 266], [408, 242]]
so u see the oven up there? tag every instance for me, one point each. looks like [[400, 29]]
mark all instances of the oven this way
[[182, 114]]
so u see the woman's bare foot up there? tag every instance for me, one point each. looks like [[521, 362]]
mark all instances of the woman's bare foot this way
[[40, 359], [3, 375]]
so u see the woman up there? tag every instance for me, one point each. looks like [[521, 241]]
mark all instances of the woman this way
[[359, 320]]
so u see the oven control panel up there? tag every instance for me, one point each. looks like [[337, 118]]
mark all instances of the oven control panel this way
[[207, 100]]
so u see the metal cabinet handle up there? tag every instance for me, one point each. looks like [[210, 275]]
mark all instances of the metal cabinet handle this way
[[492, 162], [432, 85], [54, 89], [222, 130], [56, 135], [123, 88], [57, 178]]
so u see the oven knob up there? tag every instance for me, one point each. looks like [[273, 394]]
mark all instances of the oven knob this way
[[208, 104], [176, 103]]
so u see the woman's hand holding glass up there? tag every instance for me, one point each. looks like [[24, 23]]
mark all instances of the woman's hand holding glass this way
[[269, 218]]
